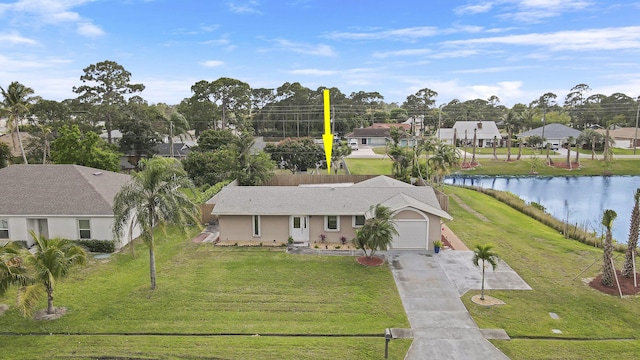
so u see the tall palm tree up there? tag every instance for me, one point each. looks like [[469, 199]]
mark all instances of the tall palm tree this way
[[12, 269], [377, 232], [510, 121], [592, 137], [151, 198], [485, 254], [570, 140], [608, 272], [52, 261], [632, 242], [15, 104]]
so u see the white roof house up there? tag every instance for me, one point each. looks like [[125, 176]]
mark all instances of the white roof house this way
[[485, 131]]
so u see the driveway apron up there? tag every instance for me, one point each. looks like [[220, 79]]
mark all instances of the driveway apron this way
[[442, 328]]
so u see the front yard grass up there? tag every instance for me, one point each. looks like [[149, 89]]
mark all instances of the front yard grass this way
[[593, 325], [206, 290]]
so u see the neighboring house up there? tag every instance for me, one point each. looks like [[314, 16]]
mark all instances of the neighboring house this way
[[485, 132], [68, 201], [180, 150], [378, 134], [116, 136], [274, 213], [623, 137], [554, 134]]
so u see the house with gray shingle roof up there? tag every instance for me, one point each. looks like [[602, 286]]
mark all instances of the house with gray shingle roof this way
[[68, 201], [274, 213], [554, 134]]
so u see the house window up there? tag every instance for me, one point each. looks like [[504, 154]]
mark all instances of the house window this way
[[332, 223], [358, 221], [85, 229], [4, 229], [256, 225]]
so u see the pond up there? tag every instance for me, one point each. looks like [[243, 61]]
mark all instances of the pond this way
[[577, 199]]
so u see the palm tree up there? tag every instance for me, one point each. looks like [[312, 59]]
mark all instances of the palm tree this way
[[377, 232], [632, 242], [151, 198], [15, 104], [510, 123], [608, 272], [12, 269], [592, 137], [569, 141], [444, 158], [52, 261], [483, 253]]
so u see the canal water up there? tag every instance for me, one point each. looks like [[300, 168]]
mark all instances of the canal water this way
[[577, 199]]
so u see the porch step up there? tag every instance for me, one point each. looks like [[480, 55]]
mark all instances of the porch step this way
[[301, 243]]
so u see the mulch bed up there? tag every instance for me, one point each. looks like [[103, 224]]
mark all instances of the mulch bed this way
[[469, 165], [626, 284], [366, 261]]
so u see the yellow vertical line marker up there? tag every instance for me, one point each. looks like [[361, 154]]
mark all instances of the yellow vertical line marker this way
[[327, 137]]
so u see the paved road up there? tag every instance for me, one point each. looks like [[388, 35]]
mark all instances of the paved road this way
[[430, 286]]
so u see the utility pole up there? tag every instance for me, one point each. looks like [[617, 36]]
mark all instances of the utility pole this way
[[635, 138]]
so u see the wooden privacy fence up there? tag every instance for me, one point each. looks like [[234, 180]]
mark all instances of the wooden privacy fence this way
[[205, 213]]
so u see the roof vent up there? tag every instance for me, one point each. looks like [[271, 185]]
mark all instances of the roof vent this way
[[97, 173], [480, 125]]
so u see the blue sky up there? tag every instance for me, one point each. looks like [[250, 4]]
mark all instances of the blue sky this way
[[515, 49]]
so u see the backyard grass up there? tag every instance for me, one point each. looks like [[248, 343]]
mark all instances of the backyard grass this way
[[205, 290], [521, 167], [593, 325]]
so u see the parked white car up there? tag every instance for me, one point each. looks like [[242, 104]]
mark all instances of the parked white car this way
[[353, 144]]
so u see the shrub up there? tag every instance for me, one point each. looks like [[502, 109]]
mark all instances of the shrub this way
[[343, 240], [98, 246]]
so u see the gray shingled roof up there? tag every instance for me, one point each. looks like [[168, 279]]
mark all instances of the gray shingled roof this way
[[307, 200], [71, 190], [552, 131]]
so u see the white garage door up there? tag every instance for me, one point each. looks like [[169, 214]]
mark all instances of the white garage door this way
[[412, 234]]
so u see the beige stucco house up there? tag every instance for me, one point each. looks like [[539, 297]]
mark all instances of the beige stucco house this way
[[305, 212]]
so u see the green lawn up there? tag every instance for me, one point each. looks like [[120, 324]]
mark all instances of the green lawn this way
[[205, 290], [369, 166], [593, 325]]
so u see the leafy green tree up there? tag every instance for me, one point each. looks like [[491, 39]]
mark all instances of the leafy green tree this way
[[199, 113], [296, 154], [213, 140], [52, 261], [152, 198], [50, 114], [16, 101], [377, 233], [139, 135], [5, 155], [170, 122], [338, 153], [632, 242], [484, 254], [105, 85], [73, 147], [608, 272], [12, 269], [210, 167]]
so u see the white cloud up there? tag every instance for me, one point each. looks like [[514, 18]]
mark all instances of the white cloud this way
[[212, 63], [405, 52], [303, 48], [455, 54], [404, 33], [15, 38], [89, 30], [473, 9], [623, 38], [245, 8], [491, 69]]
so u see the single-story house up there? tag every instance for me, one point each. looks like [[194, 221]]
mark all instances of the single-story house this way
[[623, 137], [68, 201], [554, 134], [485, 132], [378, 134], [304, 213]]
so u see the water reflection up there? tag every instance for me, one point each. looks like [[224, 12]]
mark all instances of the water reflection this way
[[580, 199]]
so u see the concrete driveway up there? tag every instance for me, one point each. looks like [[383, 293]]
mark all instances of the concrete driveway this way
[[430, 286]]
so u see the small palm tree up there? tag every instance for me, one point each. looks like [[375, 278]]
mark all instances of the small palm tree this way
[[632, 242], [51, 262], [14, 105], [377, 232], [485, 254], [12, 269], [151, 198], [608, 272]]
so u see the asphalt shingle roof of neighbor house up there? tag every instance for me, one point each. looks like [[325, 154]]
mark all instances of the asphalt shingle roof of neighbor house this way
[[58, 190], [552, 131], [324, 200]]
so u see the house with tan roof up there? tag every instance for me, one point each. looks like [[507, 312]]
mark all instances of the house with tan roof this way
[[270, 214], [624, 137], [68, 201]]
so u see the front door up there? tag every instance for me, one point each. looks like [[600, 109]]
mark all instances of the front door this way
[[299, 228]]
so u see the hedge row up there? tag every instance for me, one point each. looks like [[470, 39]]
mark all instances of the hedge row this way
[[98, 246]]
